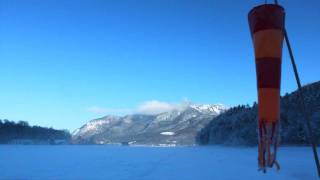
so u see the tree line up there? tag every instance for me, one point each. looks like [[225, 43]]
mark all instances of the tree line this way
[[10, 130], [238, 125]]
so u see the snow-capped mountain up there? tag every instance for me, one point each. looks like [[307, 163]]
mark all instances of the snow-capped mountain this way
[[210, 109], [178, 126]]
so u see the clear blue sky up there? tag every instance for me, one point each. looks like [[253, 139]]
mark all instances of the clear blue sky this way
[[62, 60]]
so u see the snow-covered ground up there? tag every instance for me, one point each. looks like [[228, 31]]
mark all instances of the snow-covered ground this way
[[149, 163]]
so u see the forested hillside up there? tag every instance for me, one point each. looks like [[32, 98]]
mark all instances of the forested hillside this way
[[11, 132], [238, 125]]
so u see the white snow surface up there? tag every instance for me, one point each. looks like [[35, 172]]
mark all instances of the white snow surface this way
[[149, 163], [167, 133]]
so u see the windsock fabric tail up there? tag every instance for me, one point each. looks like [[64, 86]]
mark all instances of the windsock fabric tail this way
[[267, 30]]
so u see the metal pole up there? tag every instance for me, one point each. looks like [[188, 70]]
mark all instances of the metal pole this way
[[309, 132]]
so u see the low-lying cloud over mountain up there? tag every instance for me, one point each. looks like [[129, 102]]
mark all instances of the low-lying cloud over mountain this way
[[151, 107]]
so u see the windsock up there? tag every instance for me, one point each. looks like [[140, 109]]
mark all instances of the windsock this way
[[267, 31]]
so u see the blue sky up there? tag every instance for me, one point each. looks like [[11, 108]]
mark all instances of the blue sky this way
[[66, 62]]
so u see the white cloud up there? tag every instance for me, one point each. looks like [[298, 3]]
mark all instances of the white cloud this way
[[147, 107], [155, 107]]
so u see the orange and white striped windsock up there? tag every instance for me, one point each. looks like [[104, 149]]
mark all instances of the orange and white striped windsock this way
[[267, 30]]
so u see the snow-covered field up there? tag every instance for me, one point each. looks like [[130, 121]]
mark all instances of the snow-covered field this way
[[149, 163]]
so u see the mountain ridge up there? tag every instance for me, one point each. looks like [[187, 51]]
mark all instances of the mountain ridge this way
[[175, 127]]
